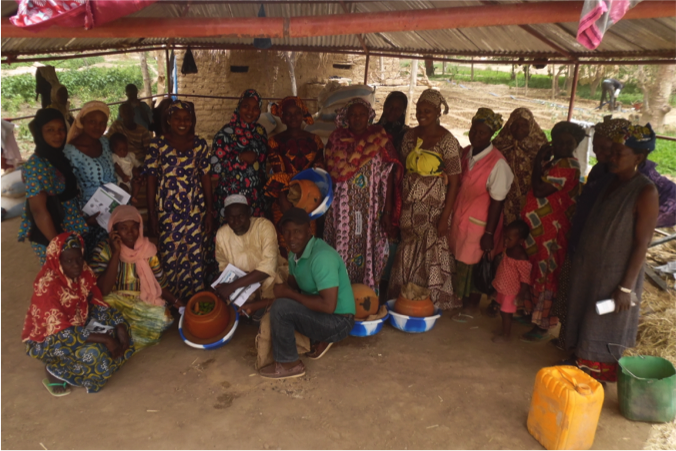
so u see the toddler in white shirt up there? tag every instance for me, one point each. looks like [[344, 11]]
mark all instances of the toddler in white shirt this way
[[126, 166]]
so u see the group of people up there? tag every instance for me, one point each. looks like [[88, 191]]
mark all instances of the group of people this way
[[410, 206]]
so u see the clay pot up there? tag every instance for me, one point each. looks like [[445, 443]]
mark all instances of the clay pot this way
[[211, 324], [365, 301], [304, 194], [409, 307]]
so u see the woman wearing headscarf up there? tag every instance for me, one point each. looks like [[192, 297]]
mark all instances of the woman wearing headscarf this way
[[131, 279], [238, 156], [477, 215], [550, 206], [179, 199], [519, 141], [89, 151], [58, 329], [608, 263], [393, 119], [665, 187], [366, 205], [431, 182], [51, 186], [60, 102], [290, 152]]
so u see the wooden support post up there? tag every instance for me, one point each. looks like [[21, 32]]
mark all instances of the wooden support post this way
[[573, 90], [169, 80], [366, 69], [411, 89]]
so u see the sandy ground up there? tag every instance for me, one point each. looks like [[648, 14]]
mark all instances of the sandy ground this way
[[449, 388]]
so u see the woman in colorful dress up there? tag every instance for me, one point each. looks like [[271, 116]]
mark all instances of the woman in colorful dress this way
[[393, 120], [477, 214], [290, 152], [65, 301], [131, 279], [51, 186], [431, 183], [550, 206], [92, 160], [366, 204], [608, 263], [519, 141], [238, 156], [179, 199]]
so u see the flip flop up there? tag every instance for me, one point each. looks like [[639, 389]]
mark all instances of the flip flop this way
[[535, 337], [459, 317], [48, 385]]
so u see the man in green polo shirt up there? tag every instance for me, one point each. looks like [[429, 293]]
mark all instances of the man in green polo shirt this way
[[316, 301]]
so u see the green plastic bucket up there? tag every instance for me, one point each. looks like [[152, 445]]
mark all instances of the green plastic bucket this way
[[646, 389]]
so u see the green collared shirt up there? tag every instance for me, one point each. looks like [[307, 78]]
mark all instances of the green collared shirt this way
[[320, 268]]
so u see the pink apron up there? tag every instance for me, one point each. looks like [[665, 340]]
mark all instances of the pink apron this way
[[471, 210]]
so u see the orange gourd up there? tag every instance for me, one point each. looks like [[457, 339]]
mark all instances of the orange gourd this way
[[211, 324], [409, 307], [365, 300], [304, 194]]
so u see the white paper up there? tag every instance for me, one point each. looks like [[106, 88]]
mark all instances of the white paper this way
[[669, 268], [98, 328], [230, 274], [104, 201]]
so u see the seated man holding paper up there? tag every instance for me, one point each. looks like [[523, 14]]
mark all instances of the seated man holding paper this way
[[316, 301], [249, 244]]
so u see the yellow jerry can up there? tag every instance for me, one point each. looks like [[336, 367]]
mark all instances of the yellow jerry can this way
[[565, 408]]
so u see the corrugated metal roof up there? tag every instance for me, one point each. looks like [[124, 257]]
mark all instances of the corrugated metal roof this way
[[627, 38]]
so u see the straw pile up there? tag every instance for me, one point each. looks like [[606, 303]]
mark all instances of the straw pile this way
[[657, 336]]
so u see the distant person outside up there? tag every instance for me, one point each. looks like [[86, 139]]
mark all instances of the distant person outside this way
[[611, 88]]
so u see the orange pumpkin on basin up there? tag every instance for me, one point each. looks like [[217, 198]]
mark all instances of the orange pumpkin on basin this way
[[304, 194], [365, 301], [208, 325], [409, 307]]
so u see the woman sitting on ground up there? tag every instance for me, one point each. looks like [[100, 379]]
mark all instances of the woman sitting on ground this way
[[366, 177], [131, 279], [608, 262], [432, 156], [550, 206], [65, 302], [290, 152], [51, 186], [519, 141], [91, 158], [477, 215]]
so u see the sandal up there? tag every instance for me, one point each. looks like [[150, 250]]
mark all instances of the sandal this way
[[459, 317], [49, 386], [535, 337], [314, 355]]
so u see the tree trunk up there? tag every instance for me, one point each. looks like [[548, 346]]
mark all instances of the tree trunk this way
[[147, 85], [471, 68], [443, 67], [161, 72], [555, 81], [659, 92], [429, 67], [569, 79], [382, 68], [600, 71], [526, 73], [411, 90], [290, 58]]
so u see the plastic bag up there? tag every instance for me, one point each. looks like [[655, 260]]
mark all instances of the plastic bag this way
[[147, 321], [188, 66], [484, 273]]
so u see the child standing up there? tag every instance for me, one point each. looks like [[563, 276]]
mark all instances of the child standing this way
[[126, 166], [512, 278]]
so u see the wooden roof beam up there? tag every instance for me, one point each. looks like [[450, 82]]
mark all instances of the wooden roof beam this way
[[340, 24]]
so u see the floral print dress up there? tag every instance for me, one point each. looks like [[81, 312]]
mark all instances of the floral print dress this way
[[180, 212]]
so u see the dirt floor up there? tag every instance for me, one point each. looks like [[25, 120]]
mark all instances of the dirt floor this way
[[448, 388]]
